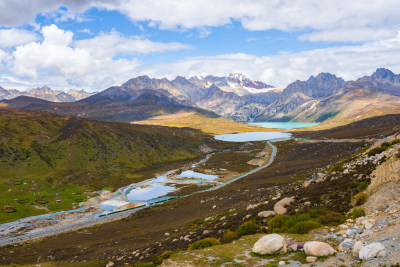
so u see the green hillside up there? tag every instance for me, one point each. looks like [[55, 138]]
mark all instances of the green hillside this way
[[45, 157]]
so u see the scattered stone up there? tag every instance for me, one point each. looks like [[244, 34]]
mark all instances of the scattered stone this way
[[343, 227], [270, 244], [109, 264], [311, 259], [266, 214], [206, 232], [166, 234], [279, 207], [318, 249], [307, 203], [293, 247], [371, 251], [353, 231], [281, 263]]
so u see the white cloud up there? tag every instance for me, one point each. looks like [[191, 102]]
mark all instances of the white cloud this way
[[323, 16], [349, 35], [61, 62], [13, 37], [349, 62], [114, 43]]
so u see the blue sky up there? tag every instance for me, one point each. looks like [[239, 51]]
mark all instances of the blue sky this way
[[91, 45]]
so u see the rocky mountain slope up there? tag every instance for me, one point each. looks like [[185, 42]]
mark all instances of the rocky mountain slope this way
[[45, 93], [326, 96]]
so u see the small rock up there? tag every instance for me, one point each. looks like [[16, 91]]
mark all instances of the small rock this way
[[281, 263], [109, 264], [318, 249], [206, 232], [311, 259], [266, 213], [307, 203], [371, 251], [270, 244], [343, 227], [166, 234], [353, 231], [293, 247]]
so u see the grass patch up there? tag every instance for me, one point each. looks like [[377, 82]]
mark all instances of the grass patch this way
[[360, 198], [204, 243]]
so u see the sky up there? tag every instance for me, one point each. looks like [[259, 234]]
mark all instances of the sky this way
[[95, 44]]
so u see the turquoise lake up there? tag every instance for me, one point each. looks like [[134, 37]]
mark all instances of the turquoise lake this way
[[252, 136], [283, 125]]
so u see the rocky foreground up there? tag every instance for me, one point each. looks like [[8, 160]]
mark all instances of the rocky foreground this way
[[369, 236]]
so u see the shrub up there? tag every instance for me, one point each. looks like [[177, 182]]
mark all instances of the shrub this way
[[276, 223], [337, 168], [144, 264], [229, 236], [204, 243], [247, 228], [304, 227], [395, 141], [357, 212], [166, 254], [376, 150], [331, 218], [360, 198], [315, 213], [283, 223], [362, 186]]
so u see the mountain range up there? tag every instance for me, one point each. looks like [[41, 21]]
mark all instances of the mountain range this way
[[46, 93], [322, 97]]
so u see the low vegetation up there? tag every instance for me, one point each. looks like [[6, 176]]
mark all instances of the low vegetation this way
[[248, 228], [302, 223], [357, 212], [204, 243]]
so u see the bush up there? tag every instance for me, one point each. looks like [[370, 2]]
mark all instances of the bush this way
[[331, 218], [395, 141], [229, 236], [376, 150], [247, 228], [304, 227], [204, 243], [362, 186], [316, 213], [282, 223], [144, 264], [337, 168], [360, 198], [357, 212], [166, 254]]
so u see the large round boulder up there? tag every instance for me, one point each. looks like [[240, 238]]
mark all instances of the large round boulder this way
[[371, 251], [270, 244], [318, 249]]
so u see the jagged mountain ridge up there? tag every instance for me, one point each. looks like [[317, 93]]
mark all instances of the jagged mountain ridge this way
[[327, 96], [45, 93]]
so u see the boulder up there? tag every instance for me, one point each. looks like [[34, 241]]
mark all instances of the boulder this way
[[318, 249], [356, 248], [311, 259], [279, 207], [266, 213], [270, 244], [371, 251]]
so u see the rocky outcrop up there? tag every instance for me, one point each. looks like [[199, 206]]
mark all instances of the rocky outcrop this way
[[266, 214], [270, 244]]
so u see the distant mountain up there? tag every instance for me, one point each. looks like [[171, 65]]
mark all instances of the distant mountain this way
[[319, 98], [327, 96], [46, 93]]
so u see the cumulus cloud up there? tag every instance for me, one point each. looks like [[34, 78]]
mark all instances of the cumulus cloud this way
[[349, 62], [328, 18], [61, 61], [13, 37]]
